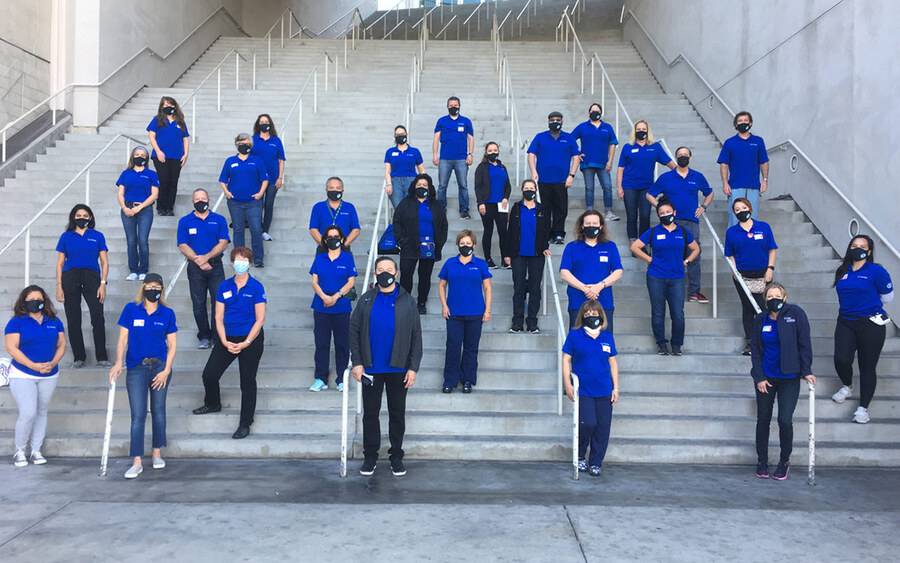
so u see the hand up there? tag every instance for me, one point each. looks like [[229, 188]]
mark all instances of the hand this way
[[507, 261], [445, 312], [388, 189], [159, 382], [609, 166], [726, 188], [621, 193], [279, 183], [200, 260], [504, 203], [184, 160], [769, 275], [487, 316], [534, 176], [763, 186], [614, 398], [101, 292], [435, 160], [357, 373], [699, 212], [410, 379], [330, 300], [233, 347], [160, 156], [115, 372], [811, 379], [206, 267], [228, 195], [129, 212], [469, 160], [686, 262], [570, 392], [259, 195], [547, 252], [44, 367], [569, 180], [60, 296], [763, 386], [482, 209]]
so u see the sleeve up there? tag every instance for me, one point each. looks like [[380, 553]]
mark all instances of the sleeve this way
[[125, 317], [152, 126], [223, 230], [355, 326], [534, 147], [662, 156], [261, 174], [121, 180], [771, 238], [314, 268], [220, 298], [612, 344], [470, 130], [688, 237], [576, 133], [883, 282], [225, 175], [568, 345], [623, 156], [437, 126], [173, 326], [613, 140], [312, 217], [485, 271], [12, 326], [567, 262], [61, 243], [703, 185], [261, 295], [615, 262], [729, 243], [724, 154], [443, 274], [419, 159], [387, 155], [645, 236], [657, 187], [280, 152], [184, 131], [101, 242], [182, 234], [763, 153], [415, 348], [804, 342], [574, 150], [351, 262], [354, 219], [59, 326], [154, 178]]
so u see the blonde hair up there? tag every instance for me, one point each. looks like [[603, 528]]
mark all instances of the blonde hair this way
[[650, 140], [139, 298], [779, 287]]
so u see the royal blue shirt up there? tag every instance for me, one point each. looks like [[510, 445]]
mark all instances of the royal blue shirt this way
[[465, 297], [381, 333], [454, 136], [240, 304], [527, 230], [323, 216], [333, 275], [36, 341], [750, 248], [554, 156], [138, 185], [403, 162], [243, 177], [771, 348], [81, 251], [426, 229], [146, 333], [859, 293], [499, 177], [169, 138], [270, 151], [590, 264], [639, 162], [743, 157], [202, 235], [668, 251], [595, 141], [682, 192], [590, 361]]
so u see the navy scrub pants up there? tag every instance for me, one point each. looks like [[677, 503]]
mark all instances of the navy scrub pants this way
[[326, 326], [461, 359], [594, 421]]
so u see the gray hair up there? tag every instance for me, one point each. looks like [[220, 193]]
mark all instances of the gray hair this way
[[243, 137], [193, 193]]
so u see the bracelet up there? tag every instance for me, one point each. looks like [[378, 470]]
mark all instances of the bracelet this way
[[771, 268]]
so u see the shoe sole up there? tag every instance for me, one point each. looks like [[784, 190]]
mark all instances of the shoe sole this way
[[762, 476], [839, 401], [366, 473], [41, 462], [860, 421], [398, 474], [20, 464], [788, 472], [133, 476]]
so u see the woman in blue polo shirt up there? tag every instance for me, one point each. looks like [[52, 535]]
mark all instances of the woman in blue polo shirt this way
[[598, 147], [492, 191], [169, 135], [34, 339], [590, 265], [147, 331], [672, 248], [637, 162], [138, 188], [465, 293], [333, 274], [82, 268], [590, 353], [240, 314], [267, 147], [245, 182], [863, 287], [402, 162]]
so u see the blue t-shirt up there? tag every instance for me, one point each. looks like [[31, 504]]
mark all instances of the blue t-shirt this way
[[743, 157], [82, 251], [36, 341], [381, 333], [498, 177], [323, 216], [243, 177], [454, 136], [590, 264], [202, 235], [426, 231], [240, 304], [590, 361], [554, 156], [169, 138], [595, 141], [859, 293], [146, 333], [138, 185], [465, 297], [682, 192], [750, 248], [527, 230], [639, 162], [668, 250], [270, 151], [403, 163], [771, 357], [333, 274]]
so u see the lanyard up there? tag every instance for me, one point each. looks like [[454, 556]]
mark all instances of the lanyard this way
[[335, 213]]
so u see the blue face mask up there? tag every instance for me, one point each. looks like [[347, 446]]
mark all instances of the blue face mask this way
[[241, 267]]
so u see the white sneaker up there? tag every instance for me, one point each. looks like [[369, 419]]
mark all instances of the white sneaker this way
[[610, 216], [19, 460], [266, 236], [134, 471], [37, 458], [131, 277], [142, 277], [861, 416], [159, 463], [841, 395]]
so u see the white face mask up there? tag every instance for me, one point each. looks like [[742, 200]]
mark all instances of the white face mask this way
[[241, 266]]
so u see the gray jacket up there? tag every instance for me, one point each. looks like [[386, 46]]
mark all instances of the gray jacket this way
[[407, 349]]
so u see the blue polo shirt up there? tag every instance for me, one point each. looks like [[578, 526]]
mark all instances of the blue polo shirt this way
[[590, 361], [240, 304], [743, 157], [202, 235], [554, 156], [668, 250], [169, 138], [682, 192], [595, 141], [323, 216], [82, 251], [243, 177], [590, 264], [146, 333], [381, 333], [859, 293], [138, 185], [527, 230], [426, 228], [465, 297], [498, 177], [403, 163], [36, 341], [333, 274], [270, 151], [639, 162], [771, 348], [454, 136], [750, 249]]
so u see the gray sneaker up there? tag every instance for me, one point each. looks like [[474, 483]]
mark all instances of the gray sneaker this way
[[78, 364], [204, 344], [610, 216], [134, 471], [19, 460]]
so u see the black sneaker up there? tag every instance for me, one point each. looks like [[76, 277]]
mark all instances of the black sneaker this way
[[423, 310], [259, 265], [367, 468], [662, 349], [559, 240], [746, 351], [516, 329], [582, 465], [781, 472], [467, 387], [534, 330], [491, 264], [676, 350], [397, 468], [595, 470], [762, 470], [447, 389], [465, 215]]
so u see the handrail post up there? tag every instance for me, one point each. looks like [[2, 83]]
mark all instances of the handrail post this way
[[127, 148], [4, 146], [315, 91], [87, 187], [592, 76], [282, 31], [269, 50], [219, 89], [290, 24], [237, 70], [28, 257], [254, 70], [603, 88], [194, 116], [559, 373], [715, 284], [326, 72], [576, 406], [300, 122], [336, 66], [811, 471]]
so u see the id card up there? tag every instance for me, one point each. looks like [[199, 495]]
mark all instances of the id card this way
[[503, 208], [880, 319]]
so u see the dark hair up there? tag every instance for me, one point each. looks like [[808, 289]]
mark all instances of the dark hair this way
[[579, 225], [743, 200], [19, 309], [664, 201], [243, 252], [528, 181], [411, 192], [405, 130], [162, 119], [453, 99], [381, 259], [845, 263], [466, 233], [78, 207], [742, 114], [690, 152], [325, 234], [486, 145], [272, 131], [595, 104], [553, 114], [591, 305]]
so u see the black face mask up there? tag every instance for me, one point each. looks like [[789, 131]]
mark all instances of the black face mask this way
[[743, 216], [201, 206], [774, 305], [493, 156], [466, 250], [400, 139], [169, 110], [34, 305], [453, 111], [265, 127], [683, 161], [529, 195], [152, 295], [421, 193], [82, 223], [857, 254], [385, 279], [244, 149], [742, 127], [595, 116], [591, 232], [333, 243], [640, 135], [667, 219], [592, 323], [334, 196], [555, 126], [139, 161]]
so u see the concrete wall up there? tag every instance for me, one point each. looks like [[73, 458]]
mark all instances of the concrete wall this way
[[316, 15], [24, 56]]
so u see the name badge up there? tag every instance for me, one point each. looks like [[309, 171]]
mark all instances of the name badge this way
[[138, 322], [660, 237], [461, 128], [192, 231], [606, 348], [767, 328], [604, 258], [235, 164], [395, 153], [227, 294], [758, 236], [635, 150]]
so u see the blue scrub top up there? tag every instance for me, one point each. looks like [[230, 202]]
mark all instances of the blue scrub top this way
[[82, 251], [146, 333], [639, 162], [240, 305], [590, 361], [381, 333], [270, 152], [554, 156], [527, 230], [323, 216], [36, 341], [590, 264], [138, 185], [668, 250], [454, 136], [333, 274], [750, 249], [682, 192], [859, 293], [465, 296], [169, 138], [202, 235], [771, 345], [403, 163], [498, 177], [743, 157], [243, 177], [595, 141]]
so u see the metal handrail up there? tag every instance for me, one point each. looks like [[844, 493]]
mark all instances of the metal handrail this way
[[475, 11], [385, 15], [217, 70], [425, 15], [441, 32], [298, 101], [393, 29], [522, 11], [337, 21]]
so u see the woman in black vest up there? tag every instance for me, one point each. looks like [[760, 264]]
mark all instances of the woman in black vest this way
[[527, 246]]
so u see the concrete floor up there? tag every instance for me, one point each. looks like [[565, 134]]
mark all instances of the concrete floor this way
[[226, 511]]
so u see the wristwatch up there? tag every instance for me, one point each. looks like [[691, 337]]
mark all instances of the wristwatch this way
[[571, 175], [704, 206], [772, 268]]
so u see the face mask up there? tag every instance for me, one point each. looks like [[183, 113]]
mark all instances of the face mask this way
[[857, 254], [774, 305], [591, 232], [466, 250], [34, 305], [400, 139], [82, 223], [493, 156], [265, 127], [742, 127], [683, 161], [595, 116], [385, 279], [743, 216], [529, 195], [555, 126], [241, 266], [139, 161], [244, 149], [169, 110], [334, 195], [453, 111], [201, 206], [421, 193], [152, 295], [640, 135], [333, 243], [592, 322], [667, 219]]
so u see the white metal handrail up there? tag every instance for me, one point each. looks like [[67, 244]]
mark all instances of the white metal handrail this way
[[352, 12], [443, 29], [393, 29], [568, 29], [217, 70], [425, 16], [560, 333], [576, 405], [383, 17]]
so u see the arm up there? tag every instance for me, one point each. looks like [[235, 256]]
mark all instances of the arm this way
[[619, 173], [637, 248], [345, 289], [317, 289], [532, 166], [614, 370], [159, 381], [756, 356], [60, 260], [415, 349], [120, 197], [764, 183], [316, 235], [804, 343], [724, 173], [442, 295], [488, 296], [567, 376], [388, 184], [262, 190], [279, 182], [154, 195], [434, 148], [355, 349], [654, 201], [224, 187], [116, 370], [220, 323], [702, 208], [420, 168], [573, 168], [260, 310], [354, 234], [609, 157], [160, 155], [695, 252], [104, 275], [770, 271], [12, 347], [187, 150], [470, 148]]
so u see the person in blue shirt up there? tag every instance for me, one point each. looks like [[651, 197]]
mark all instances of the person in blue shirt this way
[[863, 287], [528, 240], [82, 269], [589, 353], [683, 186], [553, 160], [244, 180], [147, 330], [333, 274], [637, 163], [598, 147], [267, 147], [402, 162], [240, 315], [169, 138], [672, 248], [138, 188], [35, 340], [385, 352], [334, 211], [590, 265], [781, 354], [492, 190], [455, 136], [202, 239], [465, 293], [742, 160]]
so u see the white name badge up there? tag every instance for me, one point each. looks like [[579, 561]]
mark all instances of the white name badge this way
[[758, 236], [138, 322], [660, 237], [604, 258], [767, 328], [461, 128], [395, 153], [635, 150], [606, 348], [226, 294], [234, 164], [192, 231]]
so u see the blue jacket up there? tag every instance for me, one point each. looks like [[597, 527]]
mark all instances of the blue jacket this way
[[793, 336]]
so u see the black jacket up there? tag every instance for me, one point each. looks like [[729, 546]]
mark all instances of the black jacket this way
[[407, 349], [514, 230], [483, 182], [406, 225], [793, 336]]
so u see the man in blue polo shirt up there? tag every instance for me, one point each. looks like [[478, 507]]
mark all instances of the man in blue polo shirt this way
[[598, 147], [202, 238], [334, 211], [244, 180], [456, 137], [741, 161], [553, 160], [681, 187]]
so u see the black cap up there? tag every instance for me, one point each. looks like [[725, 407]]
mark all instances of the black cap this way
[[150, 278], [555, 114]]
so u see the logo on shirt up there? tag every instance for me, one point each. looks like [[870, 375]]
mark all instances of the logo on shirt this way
[[159, 323], [92, 239], [790, 320]]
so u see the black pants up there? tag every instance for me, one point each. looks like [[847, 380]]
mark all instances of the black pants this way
[[408, 267], [490, 218], [748, 313], [78, 283], [555, 198], [527, 272], [202, 283], [219, 360], [396, 400], [866, 338], [325, 326], [786, 392], [168, 173]]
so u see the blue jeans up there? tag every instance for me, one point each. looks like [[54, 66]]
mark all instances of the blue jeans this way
[[461, 169], [244, 214], [138, 381], [664, 291], [636, 206], [400, 186], [751, 194], [269, 207], [461, 359], [326, 325], [137, 238], [605, 182], [594, 421], [693, 269]]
